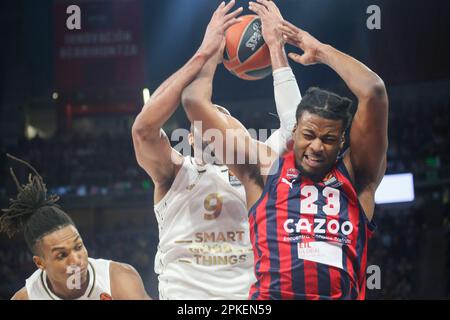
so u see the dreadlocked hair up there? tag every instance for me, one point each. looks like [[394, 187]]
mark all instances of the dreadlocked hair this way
[[32, 211]]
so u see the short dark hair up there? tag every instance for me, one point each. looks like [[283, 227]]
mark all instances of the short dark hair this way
[[33, 211], [327, 105]]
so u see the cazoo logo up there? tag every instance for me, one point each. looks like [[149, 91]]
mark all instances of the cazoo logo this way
[[320, 226]]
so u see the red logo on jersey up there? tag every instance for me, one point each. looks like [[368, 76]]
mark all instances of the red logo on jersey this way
[[105, 296]]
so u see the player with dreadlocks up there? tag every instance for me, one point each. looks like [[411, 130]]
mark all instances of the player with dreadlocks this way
[[64, 269]]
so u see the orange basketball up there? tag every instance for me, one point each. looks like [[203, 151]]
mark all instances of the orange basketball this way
[[246, 54]]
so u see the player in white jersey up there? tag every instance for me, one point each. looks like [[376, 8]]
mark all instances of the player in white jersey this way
[[98, 286], [204, 249], [64, 269]]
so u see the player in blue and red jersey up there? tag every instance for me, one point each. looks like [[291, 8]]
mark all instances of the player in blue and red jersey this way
[[310, 214]]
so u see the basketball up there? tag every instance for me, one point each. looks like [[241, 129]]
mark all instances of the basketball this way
[[246, 54]]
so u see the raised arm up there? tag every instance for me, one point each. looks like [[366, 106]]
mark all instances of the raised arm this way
[[366, 159], [152, 147], [153, 150], [199, 108], [368, 134], [286, 91]]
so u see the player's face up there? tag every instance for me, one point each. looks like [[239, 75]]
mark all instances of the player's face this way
[[64, 255], [317, 142]]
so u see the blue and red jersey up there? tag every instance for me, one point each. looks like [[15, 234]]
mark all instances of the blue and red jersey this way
[[309, 238]]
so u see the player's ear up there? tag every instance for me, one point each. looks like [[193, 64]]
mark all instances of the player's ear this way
[[342, 142], [39, 262]]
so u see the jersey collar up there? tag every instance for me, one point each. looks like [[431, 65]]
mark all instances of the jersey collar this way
[[87, 294]]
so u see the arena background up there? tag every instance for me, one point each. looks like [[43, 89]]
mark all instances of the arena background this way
[[70, 114]]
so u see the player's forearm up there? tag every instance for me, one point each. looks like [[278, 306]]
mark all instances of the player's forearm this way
[[278, 56], [200, 89], [287, 97], [165, 100], [362, 81], [286, 91]]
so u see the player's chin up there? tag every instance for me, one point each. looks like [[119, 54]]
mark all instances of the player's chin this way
[[315, 172]]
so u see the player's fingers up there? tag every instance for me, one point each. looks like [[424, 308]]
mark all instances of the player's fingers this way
[[220, 7], [271, 7], [289, 25], [257, 8], [265, 3], [233, 14], [268, 4], [231, 22], [290, 40], [286, 30], [296, 57], [228, 6]]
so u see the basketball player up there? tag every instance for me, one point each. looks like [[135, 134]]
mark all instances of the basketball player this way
[[311, 214], [64, 269], [204, 250]]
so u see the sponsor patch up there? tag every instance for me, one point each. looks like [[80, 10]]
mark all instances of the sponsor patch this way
[[321, 252]]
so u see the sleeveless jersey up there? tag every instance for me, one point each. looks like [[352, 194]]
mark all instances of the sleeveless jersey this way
[[204, 249], [99, 287], [309, 239]]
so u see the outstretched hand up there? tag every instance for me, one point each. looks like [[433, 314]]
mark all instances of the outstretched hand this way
[[270, 17], [215, 32], [301, 39]]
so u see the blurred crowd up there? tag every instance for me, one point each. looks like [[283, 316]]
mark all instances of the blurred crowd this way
[[86, 164], [393, 248], [418, 141]]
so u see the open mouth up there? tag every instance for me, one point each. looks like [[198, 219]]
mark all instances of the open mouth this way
[[313, 161]]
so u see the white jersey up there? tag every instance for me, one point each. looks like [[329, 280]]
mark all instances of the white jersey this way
[[99, 287], [204, 247]]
